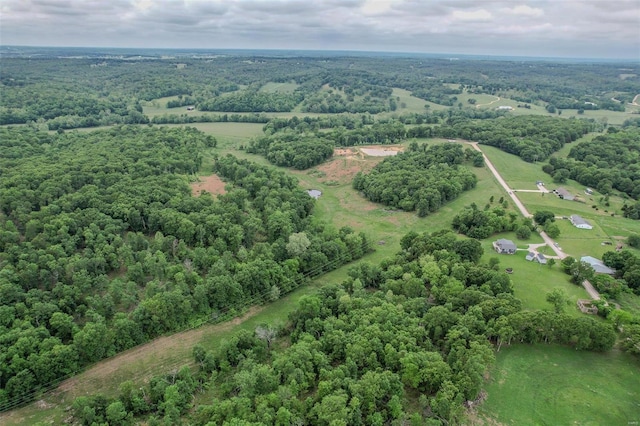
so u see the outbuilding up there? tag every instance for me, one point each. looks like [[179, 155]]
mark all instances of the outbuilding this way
[[579, 222]]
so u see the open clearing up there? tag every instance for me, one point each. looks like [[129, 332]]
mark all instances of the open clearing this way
[[556, 385], [211, 184]]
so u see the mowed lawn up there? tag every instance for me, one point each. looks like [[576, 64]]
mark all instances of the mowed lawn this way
[[517, 173], [556, 385], [531, 280]]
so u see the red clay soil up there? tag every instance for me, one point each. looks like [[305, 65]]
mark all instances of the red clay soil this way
[[212, 184]]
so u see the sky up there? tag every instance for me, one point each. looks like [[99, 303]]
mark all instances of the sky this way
[[546, 28]]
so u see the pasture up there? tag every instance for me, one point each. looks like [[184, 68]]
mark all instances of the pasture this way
[[555, 385]]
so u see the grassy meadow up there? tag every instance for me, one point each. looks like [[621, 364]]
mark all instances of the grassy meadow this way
[[556, 385]]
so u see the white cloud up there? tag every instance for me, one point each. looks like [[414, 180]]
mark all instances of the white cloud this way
[[472, 15], [524, 10], [546, 27]]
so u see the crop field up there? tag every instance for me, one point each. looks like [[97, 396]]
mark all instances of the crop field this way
[[555, 385]]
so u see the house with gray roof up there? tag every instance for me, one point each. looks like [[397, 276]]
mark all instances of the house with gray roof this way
[[579, 222], [597, 265], [503, 246], [530, 256], [541, 259]]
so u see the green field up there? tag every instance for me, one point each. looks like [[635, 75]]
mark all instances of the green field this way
[[412, 103], [531, 280], [555, 385], [341, 205], [517, 173]]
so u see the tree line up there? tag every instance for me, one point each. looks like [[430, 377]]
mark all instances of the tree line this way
[[421, 326], [609, 161], [103, 247]]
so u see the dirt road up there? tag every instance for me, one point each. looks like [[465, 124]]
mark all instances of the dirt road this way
[[591, 290]]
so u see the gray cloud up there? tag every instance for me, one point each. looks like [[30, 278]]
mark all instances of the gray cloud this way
[[580, 28]]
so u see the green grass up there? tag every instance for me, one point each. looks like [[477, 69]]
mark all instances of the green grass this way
[[555, 385], [412, 103], [517, 173], [531, 280]]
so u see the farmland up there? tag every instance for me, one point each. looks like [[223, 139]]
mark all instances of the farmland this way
[[116, 194]]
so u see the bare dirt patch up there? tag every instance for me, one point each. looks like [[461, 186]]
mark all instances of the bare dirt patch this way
[[343, 167], [212, 184], [382, 151]]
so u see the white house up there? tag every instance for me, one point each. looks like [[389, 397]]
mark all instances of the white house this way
[[579, 222]]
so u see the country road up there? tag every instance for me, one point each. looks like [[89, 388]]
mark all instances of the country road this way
[[517, 202]]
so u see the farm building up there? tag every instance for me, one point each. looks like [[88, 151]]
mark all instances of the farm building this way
[[579, 222], [588, 191], [504, 108], [530, 256], [564, 194], [597, 265], [503, 246]]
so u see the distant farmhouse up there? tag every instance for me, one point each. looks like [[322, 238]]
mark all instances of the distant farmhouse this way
[[503, 246], [597, 265], [579, 222], [504, 108], [564, 194], [588, 191]]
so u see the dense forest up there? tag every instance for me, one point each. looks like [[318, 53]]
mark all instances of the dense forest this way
[[290, 149], [532, 138], [104, 89], [423, 178], [419, 327], [103, 247], [609, 161]]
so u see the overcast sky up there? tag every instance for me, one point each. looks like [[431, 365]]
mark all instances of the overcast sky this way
[[552, 28]]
